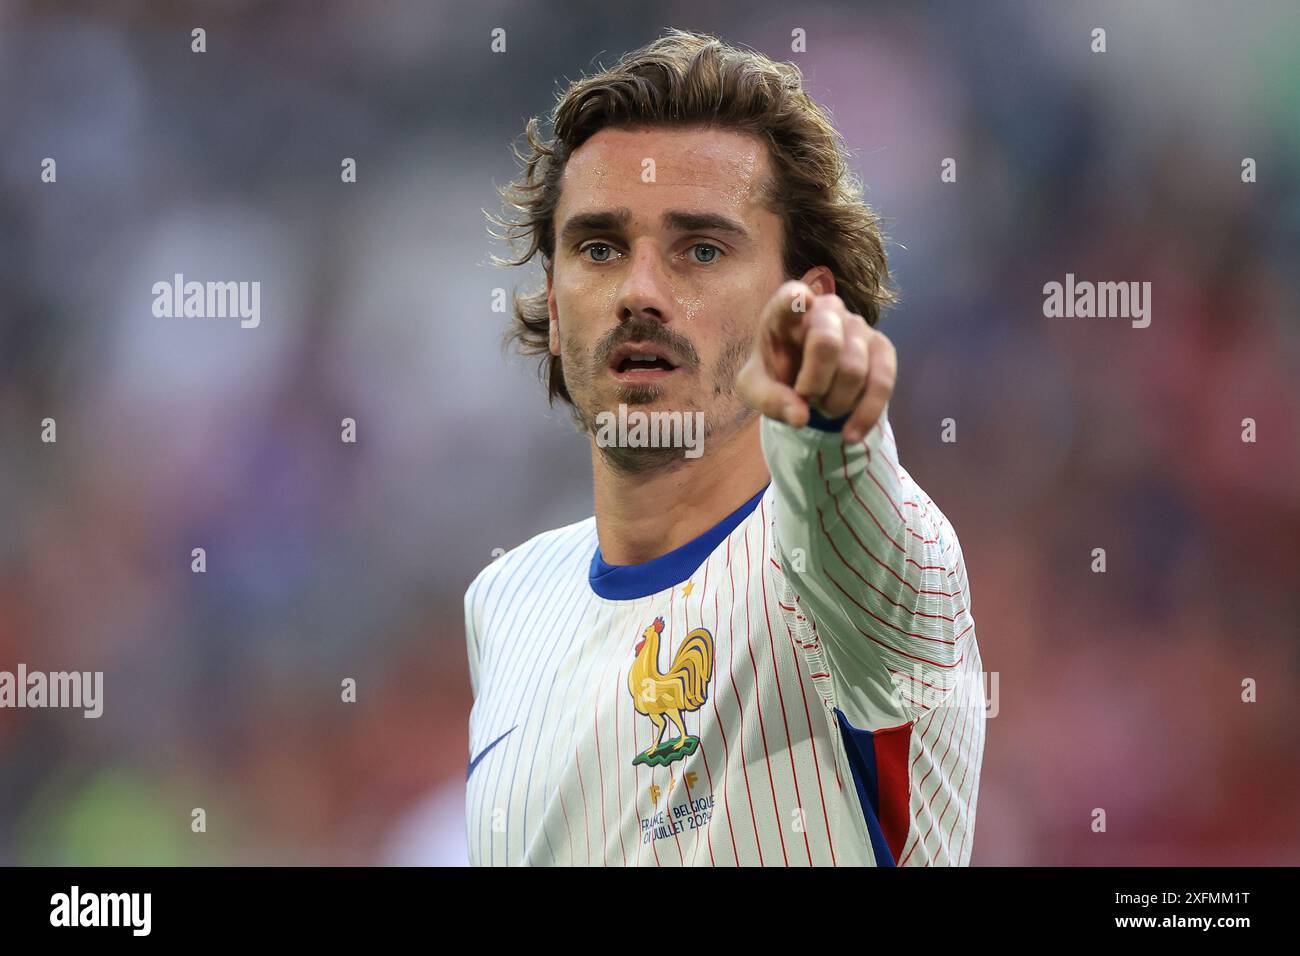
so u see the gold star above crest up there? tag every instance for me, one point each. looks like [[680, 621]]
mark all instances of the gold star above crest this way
[[686, 591]]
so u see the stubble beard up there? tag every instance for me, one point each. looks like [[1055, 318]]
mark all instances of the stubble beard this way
[[648, 460]]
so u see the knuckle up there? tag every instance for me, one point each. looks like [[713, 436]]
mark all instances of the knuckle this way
[[853, 368], [826, 323], [823, 343]]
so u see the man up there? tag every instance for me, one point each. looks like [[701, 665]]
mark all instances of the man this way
[[761, 654]]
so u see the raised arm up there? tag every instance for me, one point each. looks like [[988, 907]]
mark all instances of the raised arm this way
[[871, 558]]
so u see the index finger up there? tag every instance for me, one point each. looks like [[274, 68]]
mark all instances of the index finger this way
[[785, 312]]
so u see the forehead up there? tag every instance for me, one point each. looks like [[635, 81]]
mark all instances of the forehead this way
[[723, 169]]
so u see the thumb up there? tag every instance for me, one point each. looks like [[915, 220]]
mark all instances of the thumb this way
[[770, 397]]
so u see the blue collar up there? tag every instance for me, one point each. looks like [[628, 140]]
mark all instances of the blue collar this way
[[625, 582]]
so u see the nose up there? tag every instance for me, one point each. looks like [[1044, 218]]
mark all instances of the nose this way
[[646, 292]]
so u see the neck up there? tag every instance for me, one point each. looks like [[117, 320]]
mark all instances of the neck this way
[[642, 516]]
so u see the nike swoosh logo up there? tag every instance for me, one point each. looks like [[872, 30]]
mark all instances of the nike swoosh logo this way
[[484, 752]]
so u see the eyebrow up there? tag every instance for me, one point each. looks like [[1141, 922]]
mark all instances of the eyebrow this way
[[703, 222], [615, 220]]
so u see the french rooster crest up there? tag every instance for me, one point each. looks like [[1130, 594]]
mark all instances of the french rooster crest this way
[[665, 697]]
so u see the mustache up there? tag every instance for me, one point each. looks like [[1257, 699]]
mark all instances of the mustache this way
[[646, 330]]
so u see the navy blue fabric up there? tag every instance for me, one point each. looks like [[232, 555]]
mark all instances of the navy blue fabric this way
[[862, 761], [626, 582], [823, 424]]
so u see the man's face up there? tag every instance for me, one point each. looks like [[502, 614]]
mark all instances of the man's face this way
[[665, 249]]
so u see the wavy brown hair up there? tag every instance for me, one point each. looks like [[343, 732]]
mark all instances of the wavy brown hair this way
[[693, 79]]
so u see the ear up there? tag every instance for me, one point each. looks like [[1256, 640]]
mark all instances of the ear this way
[[553, 314], [820, 280]]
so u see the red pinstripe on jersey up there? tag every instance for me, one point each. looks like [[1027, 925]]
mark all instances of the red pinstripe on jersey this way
[[866, 578]]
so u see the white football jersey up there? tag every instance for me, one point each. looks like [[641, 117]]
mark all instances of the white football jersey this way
[[800, 685]]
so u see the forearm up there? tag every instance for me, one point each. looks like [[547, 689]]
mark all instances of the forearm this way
[[869, 555]]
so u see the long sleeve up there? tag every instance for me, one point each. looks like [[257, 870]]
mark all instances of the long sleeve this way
[[872, 561]]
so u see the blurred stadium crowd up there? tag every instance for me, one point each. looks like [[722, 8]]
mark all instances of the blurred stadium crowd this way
[[325, 560]]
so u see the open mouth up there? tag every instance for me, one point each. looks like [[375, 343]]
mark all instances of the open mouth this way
[[641, 362]]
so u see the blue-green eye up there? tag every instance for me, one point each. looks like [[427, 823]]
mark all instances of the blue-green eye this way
[[608, 251], [714, 252]]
